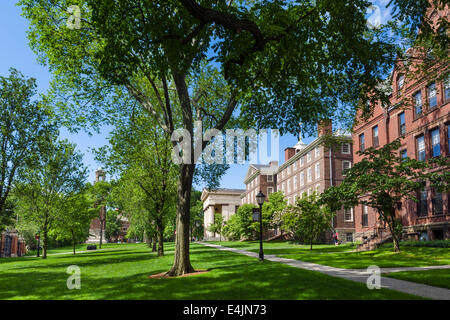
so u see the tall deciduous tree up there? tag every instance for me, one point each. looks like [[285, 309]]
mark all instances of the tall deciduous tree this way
[[302, 60], [382, 179], [143, 153], [57, 174], [23, 122], [100, 193]]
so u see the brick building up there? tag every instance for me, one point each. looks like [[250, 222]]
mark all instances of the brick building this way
[[315, 167], [259, 178], [11, 245], [418, 113]]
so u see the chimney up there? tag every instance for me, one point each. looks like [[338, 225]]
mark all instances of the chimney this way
[[324, 127], [289, 153], [273, 163]]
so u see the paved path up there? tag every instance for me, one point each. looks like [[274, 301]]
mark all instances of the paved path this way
[[358, 275]]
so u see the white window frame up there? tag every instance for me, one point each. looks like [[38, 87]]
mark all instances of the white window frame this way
[[351, 214], [295, 183], [289, 186], [302, 178], [317, 152], [342, 148], [309, 175], [308, 156], [302, 161], [343, 166], [318, 188], [269, 178], [317, 171], [269, 190]]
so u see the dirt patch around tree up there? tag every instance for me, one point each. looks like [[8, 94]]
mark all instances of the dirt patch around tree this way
[[163, 275]]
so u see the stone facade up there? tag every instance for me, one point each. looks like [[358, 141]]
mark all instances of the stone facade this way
[[223, 201]]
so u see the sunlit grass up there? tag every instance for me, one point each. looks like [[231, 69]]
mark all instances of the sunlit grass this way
[[123, 274]]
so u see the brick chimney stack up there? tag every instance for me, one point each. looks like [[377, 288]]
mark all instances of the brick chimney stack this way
[[325, 127], [289, 153]]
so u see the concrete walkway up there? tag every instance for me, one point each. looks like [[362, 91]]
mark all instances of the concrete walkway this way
[[358, 275]]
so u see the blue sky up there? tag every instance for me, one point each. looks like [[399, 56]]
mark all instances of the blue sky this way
[[14, 52]]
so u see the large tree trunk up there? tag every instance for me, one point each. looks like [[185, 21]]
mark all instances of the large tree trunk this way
[[160, 236], [182, 263]]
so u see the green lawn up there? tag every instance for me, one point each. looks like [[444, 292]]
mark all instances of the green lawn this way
[[437, 278], [79, 247], [123, 274], [340, 257]]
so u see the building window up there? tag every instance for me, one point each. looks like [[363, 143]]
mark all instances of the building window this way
[[420, 148], [269, 190], [447, 87], [365, 216], [346, 148], [317, 171], [309, 191], [418, 104], [348, 215], [295, 183], [448, 139], [295, 165], [282, 188], [345, 166], [349, 237], [302, 178], [318, 188], [269, 178], [289, 185], [422, 209], [438, 208], [302, 161], [403, 154], [400, 83], [401, 124], [361, 142], [375, 136], [435, 143], [317, 152], [309, 174], [432, 97], [308, 156]]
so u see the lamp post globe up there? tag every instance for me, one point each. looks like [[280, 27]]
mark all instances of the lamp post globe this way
[[260, 197]]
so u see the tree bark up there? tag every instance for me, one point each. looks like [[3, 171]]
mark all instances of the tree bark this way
[[154, 241], [160, 236], [395, 238], [182, 264]]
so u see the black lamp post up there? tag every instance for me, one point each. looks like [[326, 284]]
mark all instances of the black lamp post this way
[[260, 197]]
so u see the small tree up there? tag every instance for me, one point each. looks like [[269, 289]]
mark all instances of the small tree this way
[[382, 179], [73, 218], [272, 210], [241, 225], [217, 226], [308, 218], [113, 225]]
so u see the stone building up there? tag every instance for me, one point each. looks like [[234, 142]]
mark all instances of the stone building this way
[[259, 178], [223, 201], [315, 167], [418, 113]]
